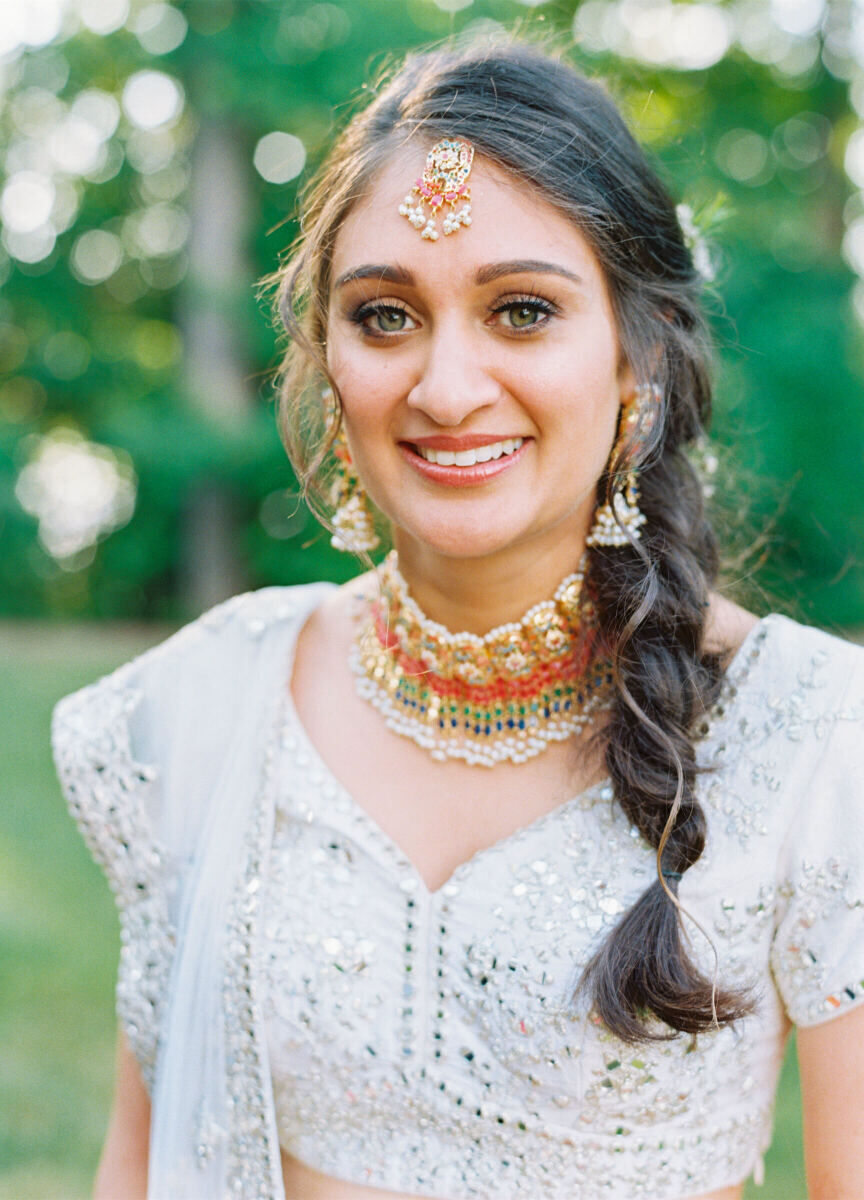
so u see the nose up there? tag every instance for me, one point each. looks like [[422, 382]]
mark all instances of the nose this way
[[453, 382]]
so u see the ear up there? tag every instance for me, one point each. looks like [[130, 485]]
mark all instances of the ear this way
[[626, 384]]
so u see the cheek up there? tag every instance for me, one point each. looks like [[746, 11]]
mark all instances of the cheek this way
[[579, 390], [367, 383]]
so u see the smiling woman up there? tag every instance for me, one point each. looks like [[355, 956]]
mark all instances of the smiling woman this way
[[504, 869], [448, 350]]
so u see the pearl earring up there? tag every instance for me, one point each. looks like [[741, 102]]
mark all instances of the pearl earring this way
[[619, 521], [354, 529]]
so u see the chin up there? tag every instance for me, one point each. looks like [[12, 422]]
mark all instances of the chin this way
[[462, 539]]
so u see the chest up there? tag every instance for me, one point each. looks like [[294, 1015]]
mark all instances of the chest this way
[[439, 814], [390, 1005]]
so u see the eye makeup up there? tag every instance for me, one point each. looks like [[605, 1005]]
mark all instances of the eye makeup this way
[[527, 311]]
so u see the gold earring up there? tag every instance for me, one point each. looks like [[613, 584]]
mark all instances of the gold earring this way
[[619, 521], [354, 529]]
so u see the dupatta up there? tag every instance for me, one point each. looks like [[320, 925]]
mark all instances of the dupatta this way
[[167, 766]]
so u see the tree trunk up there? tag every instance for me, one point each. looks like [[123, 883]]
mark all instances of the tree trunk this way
[[216, 367]]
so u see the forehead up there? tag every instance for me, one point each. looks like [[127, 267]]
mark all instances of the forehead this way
[[511, 219]]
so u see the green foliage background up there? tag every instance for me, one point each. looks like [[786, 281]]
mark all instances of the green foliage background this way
[[789, 407], [108, 360]]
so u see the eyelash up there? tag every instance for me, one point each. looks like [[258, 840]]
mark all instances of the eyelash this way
[[537, 304], [362, 314]]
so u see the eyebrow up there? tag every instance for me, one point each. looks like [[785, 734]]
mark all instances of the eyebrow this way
[[485, 274], [523, 266], [392, 274]]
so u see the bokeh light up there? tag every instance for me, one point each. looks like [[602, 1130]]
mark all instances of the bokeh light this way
[[744, 156], [66, 354], [160, 28], [279, 157], [29, 23], [27, 201], [103, 16], [152, 99], [77, 490], [96, 255], [684, 36]]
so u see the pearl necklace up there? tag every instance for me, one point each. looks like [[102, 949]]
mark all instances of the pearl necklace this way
[[502, 697]]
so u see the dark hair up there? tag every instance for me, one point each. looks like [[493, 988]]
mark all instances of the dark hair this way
[[541, 121]]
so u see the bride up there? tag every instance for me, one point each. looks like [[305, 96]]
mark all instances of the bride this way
[[505, 869]]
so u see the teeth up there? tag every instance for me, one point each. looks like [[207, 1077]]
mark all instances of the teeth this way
[[467, 458]]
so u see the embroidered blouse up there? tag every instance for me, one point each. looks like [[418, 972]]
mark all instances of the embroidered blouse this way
[[427, 1042]]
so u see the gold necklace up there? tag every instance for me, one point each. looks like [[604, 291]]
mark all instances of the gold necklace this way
[[502, 697]]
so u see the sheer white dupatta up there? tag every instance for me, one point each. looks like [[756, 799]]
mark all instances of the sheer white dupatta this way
[[209, 724]]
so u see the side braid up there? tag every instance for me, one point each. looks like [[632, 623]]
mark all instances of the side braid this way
[[651, 603]]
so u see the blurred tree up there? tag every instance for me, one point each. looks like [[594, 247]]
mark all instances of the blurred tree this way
[[151, 155]]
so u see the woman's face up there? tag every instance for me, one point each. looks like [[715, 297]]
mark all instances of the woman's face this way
[[480, 374]]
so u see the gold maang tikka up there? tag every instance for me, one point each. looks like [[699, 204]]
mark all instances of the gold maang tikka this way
[[442, 188]]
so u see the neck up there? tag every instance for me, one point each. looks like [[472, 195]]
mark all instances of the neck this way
[[474, 595]]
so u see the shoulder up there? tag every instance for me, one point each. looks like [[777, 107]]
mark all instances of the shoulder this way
[[787, 651], [217, 635], [791, 716], [727, 627], [795, 657], [151, 735], [188, 691]]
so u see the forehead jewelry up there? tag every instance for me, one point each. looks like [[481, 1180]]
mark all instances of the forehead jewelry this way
[[442, 188]]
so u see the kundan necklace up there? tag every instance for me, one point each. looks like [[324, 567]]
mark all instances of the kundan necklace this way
[[489, 699]]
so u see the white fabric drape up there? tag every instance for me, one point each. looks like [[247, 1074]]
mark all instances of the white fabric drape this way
[[207, 717]]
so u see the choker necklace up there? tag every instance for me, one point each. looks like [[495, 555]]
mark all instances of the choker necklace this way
[[489, 699]]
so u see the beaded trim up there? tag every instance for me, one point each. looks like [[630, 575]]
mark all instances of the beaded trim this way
[[504, 696], [254, 1162], [105, 790], [254, 1167]]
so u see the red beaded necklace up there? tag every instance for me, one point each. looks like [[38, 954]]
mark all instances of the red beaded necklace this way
[[501, 697]]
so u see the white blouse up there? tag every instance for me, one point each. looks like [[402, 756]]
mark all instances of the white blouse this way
[[428, 1042]]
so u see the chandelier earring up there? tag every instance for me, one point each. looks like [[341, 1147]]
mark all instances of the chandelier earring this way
[[619, 520], [354, 528]]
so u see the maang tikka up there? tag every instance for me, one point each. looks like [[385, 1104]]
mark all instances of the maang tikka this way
[[443, 185], [354, 528], [618, 522]]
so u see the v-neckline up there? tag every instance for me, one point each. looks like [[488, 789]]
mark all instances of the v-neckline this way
[[394, 851], [738, 668]]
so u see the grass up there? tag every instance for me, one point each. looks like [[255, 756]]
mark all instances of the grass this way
[[58, 941]]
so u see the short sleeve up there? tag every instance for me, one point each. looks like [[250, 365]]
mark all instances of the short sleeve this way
[[110, 796], [817, 955]]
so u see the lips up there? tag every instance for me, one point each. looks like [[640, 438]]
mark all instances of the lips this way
[[463, 462]]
